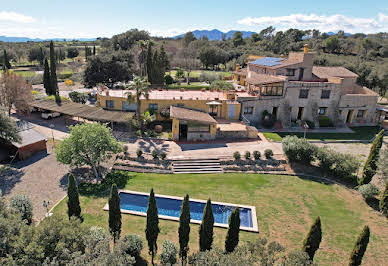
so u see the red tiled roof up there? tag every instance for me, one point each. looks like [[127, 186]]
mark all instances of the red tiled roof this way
[[264, 79], [191, 115]]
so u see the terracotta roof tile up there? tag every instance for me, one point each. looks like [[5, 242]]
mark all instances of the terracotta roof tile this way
[[264, 79], [191, 115], [326, 72]]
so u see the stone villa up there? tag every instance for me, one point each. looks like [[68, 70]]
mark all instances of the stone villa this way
[[293, 89]]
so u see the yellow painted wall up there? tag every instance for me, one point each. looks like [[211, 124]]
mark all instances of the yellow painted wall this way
[[192, 104], [242, 79], [175, 129]]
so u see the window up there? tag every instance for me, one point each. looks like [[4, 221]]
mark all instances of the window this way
[[213, 110], [325, 94], [322, 110], [109, 104], [361, 114], [125, 106], [238, 78], [271, 91], [290, 72], [248, 110], [304, 93], [180, 105], [153, 107]]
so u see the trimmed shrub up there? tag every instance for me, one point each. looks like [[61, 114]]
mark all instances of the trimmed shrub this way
[[158, 128], [368, 191], [78, 97], [268, 153], [23, 205], [370, 166], [299, 150], [168, 79], [256, 155], [131, 245], [236, 156], [360, 247], [247, 155], [384, 201], [155, 154], [169, 253], [139, 153], [163, 155], [324, 121], [313, 239]]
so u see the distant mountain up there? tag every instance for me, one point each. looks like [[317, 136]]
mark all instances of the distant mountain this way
[[215, 34], [26, 39], [334, 33]]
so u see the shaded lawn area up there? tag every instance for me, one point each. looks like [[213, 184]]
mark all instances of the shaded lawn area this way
[[197, 73], [285, 206], [360, 133]]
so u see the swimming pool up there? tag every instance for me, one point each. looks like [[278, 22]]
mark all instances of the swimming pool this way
[[133, 202]]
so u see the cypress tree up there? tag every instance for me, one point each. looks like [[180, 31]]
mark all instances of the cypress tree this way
[[360, 247], [149, 63], [6, 64], [370, 166], [384, 201], [46, 78], [152, 228], [53, 71], [73, 205], [313, 239], [114, 213], [41, 56], [206, 228], [94, 50], [232, 237], [184, 229]]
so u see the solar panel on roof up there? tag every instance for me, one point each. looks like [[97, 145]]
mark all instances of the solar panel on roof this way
[[268, 61]]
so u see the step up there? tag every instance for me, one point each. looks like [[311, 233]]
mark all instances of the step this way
[[195, 160], [198, 172], [199, 167], [195, 163]]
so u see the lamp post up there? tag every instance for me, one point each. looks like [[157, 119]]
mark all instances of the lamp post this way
[[305, 126]]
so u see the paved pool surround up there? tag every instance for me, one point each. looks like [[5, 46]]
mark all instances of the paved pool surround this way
[[135, 203]]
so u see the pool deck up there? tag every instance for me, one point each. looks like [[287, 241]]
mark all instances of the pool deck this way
[[254, 227]]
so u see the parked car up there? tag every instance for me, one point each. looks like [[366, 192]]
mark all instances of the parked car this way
[[49, 115]]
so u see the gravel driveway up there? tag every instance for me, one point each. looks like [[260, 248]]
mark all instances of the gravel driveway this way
[[40, 177]]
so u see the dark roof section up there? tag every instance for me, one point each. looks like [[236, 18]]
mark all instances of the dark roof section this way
[[84, 111], [191, 115], [29, 136], [268, 61], [326, 72]]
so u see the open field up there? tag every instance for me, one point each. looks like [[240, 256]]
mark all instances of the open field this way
[[197, 73], [360, 133], [285, 206]]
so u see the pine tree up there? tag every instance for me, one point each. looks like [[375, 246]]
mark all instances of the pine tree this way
[[370, 166], [53, 71], [232, 237], [313, 239], [46, 78], [73, 205], [360, 247], [152, 227], [6, 64], [94, 50], [184, 229], [206, 228], [114, 213], [384, 201]]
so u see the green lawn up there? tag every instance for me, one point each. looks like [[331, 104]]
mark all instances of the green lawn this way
[[285, 206], [360, 133], [197, 73]]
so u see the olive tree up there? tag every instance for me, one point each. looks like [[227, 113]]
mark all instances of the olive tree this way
[[88, 144]]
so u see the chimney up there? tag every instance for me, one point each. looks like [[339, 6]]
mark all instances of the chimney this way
[[306, 48], [237, 67]]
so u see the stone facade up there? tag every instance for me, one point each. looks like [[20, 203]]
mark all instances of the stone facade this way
[[304, 94]]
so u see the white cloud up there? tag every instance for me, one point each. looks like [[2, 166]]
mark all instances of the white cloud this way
[[324, 23], [15, 17]]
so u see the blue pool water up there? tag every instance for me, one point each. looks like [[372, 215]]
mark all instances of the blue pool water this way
[[172, 207]]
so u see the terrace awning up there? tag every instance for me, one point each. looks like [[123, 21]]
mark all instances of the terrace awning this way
[[214, 103], [83, 111]]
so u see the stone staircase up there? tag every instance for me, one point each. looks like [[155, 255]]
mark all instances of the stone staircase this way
[[196, 166]]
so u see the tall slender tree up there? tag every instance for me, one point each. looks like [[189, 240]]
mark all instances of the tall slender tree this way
[[41, 56], [46, 78], [149, 65], [313, 238], [53, 72], [384, 201], [152, 228], [6, 64], [86, 53], [184, 229], [232, 237], [360, 247], [114, 213], [94, 50], [370, 166], [73, 205], [206, 228]]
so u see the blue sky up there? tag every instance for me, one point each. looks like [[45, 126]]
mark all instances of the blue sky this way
[[97, 18]]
